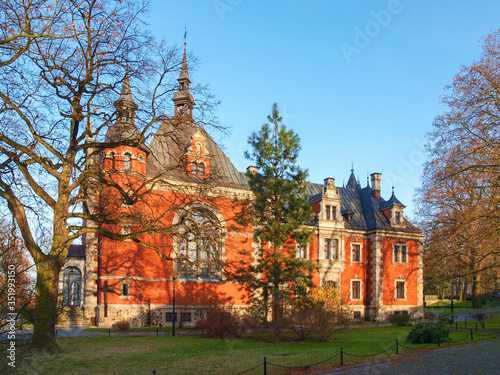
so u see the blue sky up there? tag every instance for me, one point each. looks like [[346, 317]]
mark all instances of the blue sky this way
[[360, 81]]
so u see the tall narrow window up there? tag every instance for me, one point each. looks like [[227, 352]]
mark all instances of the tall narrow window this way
[[127, 161], [327, 209], [397, 217], [72, 279], [400, 290], [356, 253], [400, 254], [334, 213], [301, 252], [355, 289], [327, 248], [335, 249], [112, 159]]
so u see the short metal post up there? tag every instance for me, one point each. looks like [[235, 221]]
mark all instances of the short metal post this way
[[465, 321], [109, 332], [471, 335], [476, 326], [341, 356], [377, 323], [456, 326], [156, 331], [439, 344], [397, 346], [265, 365]]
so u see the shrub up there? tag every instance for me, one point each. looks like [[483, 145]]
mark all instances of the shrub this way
[[446, 318], [122, 325], [324, 314], [221, 322], [399, 320], [427, 333], [429, 316]]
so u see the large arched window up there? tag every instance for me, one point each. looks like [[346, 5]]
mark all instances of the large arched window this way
[[199, 245], [72, 287]]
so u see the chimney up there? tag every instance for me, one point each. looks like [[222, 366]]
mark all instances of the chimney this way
[[329, 181], [251, 169], [376, 178]]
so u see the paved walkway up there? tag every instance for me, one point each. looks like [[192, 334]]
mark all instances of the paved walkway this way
[[482, 357]]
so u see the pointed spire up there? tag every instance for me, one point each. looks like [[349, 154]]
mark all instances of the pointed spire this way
[[124, 128], [126, 93], [352, 183], [183, 100]]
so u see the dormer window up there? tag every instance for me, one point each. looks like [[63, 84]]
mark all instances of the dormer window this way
[[397, 217], [198, 168]]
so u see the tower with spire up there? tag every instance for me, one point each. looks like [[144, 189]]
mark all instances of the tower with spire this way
[[183, 100]]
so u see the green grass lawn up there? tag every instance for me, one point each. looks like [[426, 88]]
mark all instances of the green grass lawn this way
[[201, 355]]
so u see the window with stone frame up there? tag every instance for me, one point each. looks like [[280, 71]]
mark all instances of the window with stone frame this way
[[185, 316], [125, 289], [400, 253], [199, 245], [331, 248], [356, 290], [397, 217], [72, 286], [330, 284], [301, 252], [327, 209], [400, 290], [356, 252]]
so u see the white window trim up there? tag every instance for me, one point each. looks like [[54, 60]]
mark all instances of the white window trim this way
[[399, 244], [297, 251], [396, 290], [339, 248], [360, 252], [360, 290]]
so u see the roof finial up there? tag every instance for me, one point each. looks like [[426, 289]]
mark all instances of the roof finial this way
[[367, 178], [392, 189], [352, 166], [185, 37]]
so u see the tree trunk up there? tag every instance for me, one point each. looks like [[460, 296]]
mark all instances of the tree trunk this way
[[45, 320], [476, 300]]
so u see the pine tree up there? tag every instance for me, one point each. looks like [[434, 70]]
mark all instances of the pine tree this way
[[280, 209]]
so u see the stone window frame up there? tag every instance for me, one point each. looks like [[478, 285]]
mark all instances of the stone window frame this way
[[351, 291], [212, 211], [125, 285], [405, 295], [360, 252], [397, 254], [330, 248], [302, 250]]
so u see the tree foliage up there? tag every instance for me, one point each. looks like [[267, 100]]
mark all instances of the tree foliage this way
[[461, 182], [279, 209]]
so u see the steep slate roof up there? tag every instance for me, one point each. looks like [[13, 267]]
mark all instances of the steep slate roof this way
[[168, 149], [364, 207], [392, 202]]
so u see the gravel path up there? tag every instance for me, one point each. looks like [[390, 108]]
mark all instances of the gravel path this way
[[482, 357]]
